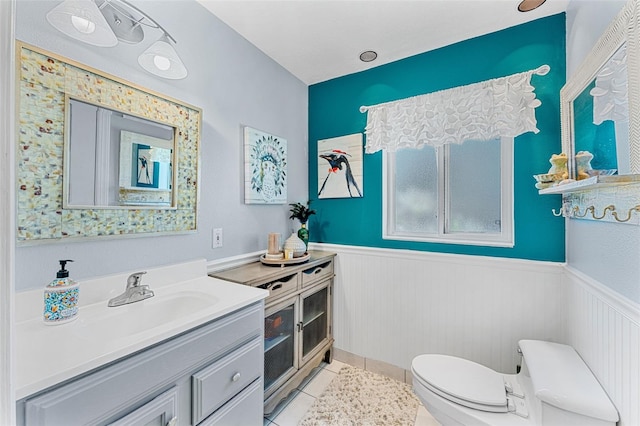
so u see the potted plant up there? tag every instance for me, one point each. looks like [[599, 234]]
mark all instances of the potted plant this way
[[302, 213]]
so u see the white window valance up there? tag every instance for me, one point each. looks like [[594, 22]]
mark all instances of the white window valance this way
[[501, 107]]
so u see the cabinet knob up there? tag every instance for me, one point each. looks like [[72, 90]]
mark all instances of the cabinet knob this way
[[235, 377], [173, 422]]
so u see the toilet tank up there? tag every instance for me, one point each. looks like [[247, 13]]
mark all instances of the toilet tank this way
[[567, 392]]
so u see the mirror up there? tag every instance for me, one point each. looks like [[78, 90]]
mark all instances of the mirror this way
[[599, 105], [601, 117], [116, 160], [51, 206]]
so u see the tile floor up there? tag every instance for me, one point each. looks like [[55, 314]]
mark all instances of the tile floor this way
[[292, 410]]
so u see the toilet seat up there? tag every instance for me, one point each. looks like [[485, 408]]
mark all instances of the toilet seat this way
[[462, 381]]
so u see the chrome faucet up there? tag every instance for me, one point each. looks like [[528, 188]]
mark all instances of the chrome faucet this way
[[134, 291]]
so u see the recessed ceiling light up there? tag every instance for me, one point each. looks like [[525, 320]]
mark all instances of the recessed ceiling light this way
[[528, 5], [368, 56]]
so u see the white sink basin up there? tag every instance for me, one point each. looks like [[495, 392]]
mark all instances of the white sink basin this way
[[102, 322]]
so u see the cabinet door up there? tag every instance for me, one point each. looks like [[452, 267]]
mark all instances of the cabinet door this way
[[280, 343], [316, 318], [161, 411]]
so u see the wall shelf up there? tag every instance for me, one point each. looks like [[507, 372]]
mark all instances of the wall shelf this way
[[614, 199], [594, 182]]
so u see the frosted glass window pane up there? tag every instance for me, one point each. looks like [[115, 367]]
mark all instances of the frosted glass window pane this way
[[416, 190], [475, 187]]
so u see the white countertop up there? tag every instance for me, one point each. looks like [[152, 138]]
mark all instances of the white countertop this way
[[50, 354]]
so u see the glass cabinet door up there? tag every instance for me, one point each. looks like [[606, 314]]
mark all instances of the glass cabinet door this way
[[315, 319], [280, 339]]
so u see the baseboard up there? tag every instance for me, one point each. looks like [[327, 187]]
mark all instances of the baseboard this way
[[375, 366]]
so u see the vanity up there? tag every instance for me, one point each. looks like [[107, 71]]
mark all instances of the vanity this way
[[297, 319], [189, 355]]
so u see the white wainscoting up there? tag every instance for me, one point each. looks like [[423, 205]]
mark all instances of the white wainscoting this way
[[391, 305], [604, 327]]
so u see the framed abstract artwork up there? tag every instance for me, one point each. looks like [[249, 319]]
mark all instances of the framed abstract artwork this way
[[340, 167], [265, 168]]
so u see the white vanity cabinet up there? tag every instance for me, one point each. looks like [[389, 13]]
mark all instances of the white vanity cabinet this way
[[297, 319], [210, 375]]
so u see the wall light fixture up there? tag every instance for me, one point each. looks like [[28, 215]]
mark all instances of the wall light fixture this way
[[104, 23]]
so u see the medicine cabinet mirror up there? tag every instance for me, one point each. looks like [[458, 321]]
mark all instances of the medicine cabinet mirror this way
[[600, 104], [115, 159]]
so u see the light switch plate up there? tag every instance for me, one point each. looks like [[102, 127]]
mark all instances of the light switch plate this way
[[216, 238]]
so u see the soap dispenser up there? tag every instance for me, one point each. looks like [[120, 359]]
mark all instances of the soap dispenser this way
[[61, 298]]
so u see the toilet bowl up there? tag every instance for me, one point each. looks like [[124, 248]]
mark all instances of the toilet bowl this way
[[553, 387]]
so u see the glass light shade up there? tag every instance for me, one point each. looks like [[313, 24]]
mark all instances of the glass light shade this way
[[83, 25], [162, 60], [82, 20]]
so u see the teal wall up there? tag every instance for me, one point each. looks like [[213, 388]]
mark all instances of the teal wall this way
[[334, 111]]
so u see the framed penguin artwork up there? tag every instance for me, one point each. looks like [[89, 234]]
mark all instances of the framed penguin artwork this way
[[340, 167]]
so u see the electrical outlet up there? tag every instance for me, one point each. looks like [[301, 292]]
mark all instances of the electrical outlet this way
[[217, 238]]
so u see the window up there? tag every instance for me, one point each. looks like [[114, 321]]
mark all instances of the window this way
[[455, 193]]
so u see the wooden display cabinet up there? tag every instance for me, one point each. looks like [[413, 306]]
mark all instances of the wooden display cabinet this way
[[298, 324]]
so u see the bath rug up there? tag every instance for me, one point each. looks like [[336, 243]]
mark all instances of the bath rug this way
[[356, 397]]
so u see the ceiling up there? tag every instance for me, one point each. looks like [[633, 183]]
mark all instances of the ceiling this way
[[317, 40]]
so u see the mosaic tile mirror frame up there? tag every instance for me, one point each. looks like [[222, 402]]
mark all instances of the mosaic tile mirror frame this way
[[44, 81]]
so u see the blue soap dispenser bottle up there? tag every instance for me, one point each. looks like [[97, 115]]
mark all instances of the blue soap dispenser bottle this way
[[61, 297]]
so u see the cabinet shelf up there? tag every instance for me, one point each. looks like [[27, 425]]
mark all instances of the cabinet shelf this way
[[591, 183], [314, 316], [271, 342]]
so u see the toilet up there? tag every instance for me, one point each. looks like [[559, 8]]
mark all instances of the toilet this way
[[553, 388]]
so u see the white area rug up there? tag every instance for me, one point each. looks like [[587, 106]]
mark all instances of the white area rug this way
[[356, 397]]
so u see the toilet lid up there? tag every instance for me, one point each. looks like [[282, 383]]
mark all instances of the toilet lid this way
[[462, 381]]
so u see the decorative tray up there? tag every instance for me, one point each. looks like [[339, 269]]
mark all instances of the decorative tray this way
[[284, 262]]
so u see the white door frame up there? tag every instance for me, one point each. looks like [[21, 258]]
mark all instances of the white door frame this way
[[7, 212]]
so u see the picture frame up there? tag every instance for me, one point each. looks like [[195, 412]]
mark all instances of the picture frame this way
[[265, 167], [146, 172], [344, 176]]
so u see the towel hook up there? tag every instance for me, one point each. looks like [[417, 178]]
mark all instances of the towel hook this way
[[631, 210], [604, 212], [576, 211]]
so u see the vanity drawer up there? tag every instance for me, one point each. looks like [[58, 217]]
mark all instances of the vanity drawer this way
[[316, 272], [220, 381], [245, 409], [280, 287]]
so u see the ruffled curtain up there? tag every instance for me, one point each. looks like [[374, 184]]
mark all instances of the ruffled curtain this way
[[502, 107]]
